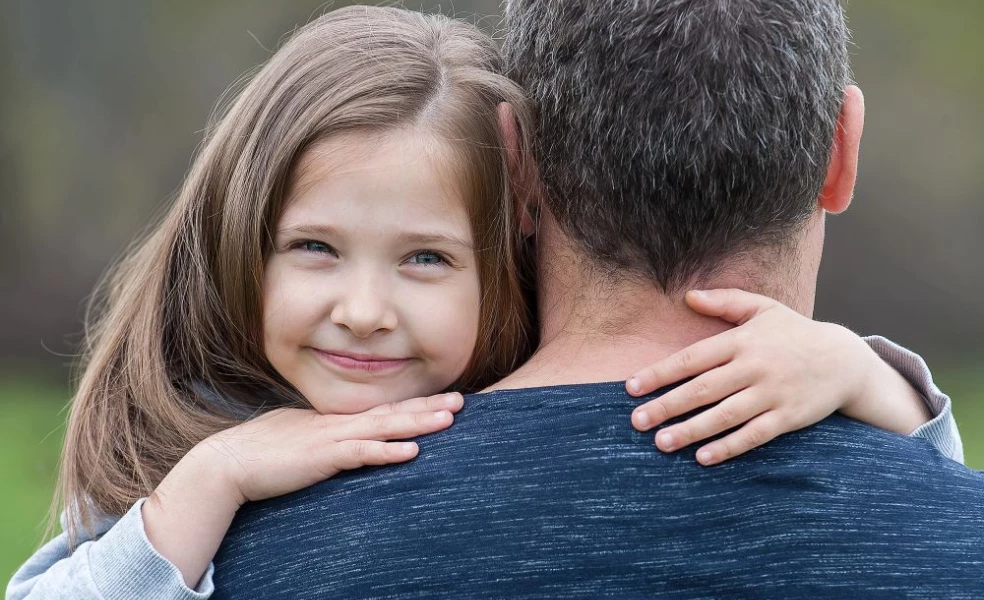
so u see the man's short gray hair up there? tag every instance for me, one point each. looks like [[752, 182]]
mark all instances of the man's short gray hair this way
[[673, 134]]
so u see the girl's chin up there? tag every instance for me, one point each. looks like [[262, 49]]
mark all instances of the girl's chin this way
[[346, 398]]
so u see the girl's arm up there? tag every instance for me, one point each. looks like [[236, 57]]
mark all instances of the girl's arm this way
[[779, 371], [279, 452], [942, 430], [114, 561], [163, 546]]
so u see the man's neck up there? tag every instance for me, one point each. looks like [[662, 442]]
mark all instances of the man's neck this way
[[608, 339], [595, 329]]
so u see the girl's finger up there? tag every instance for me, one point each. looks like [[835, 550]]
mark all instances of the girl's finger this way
[[352, 454], [692, 360], [730, 413], [453, 402], [394, 426], [732, 305], [760, 430], [707, 388]]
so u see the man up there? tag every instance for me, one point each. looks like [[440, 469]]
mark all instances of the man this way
[[682, 144]]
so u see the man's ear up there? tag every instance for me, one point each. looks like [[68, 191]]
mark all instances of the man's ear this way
[[842, 171], [523, 180]]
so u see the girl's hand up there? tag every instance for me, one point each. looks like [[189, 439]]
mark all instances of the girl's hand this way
[[776, 372], [289, 449], [285, 450]]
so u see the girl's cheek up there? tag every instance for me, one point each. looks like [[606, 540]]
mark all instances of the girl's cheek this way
[[462, 321], [290, 302], [444, 318]]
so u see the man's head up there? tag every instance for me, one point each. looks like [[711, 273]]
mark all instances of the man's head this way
[[676, 136]]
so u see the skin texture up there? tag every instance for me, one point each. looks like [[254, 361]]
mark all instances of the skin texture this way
[[372, 293], [775, 372]]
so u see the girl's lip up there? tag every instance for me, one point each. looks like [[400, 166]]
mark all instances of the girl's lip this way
[[365, 363]]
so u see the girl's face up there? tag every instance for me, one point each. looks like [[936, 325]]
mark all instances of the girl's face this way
[[371, 294]]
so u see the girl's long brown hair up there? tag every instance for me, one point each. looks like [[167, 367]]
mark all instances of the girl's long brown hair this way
[[174, 349]]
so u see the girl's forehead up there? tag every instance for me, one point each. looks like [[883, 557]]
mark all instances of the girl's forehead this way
[[366, 181], [393, 152], [370, 149]]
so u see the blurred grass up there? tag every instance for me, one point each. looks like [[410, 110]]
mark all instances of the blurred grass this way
[[965, 384], [31, 430]]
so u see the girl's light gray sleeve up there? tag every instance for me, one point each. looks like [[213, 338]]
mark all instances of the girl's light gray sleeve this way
[[942, 431], [119, 563]]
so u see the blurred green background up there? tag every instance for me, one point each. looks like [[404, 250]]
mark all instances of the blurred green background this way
[[102, 104]]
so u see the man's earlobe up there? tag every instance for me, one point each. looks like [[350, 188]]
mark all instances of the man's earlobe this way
[[842, 170]]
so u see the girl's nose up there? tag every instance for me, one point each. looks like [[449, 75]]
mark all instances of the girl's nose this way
[[364, 308]]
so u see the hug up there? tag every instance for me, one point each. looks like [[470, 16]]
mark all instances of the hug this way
[[433, 319]]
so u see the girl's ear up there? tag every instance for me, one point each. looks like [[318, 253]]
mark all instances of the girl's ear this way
[[523, 179]]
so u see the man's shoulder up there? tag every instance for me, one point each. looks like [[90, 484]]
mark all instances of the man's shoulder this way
[[849, 442], [862, 462], [551, 488], [593, 420]]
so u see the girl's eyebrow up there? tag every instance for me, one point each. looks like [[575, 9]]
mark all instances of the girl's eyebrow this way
[[405, 237], [424, 238], [312, 230]]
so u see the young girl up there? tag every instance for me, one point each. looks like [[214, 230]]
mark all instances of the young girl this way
[[344, 241]]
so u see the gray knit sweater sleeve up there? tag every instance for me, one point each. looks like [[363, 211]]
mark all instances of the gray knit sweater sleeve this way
[[117, 562], [942, 431]]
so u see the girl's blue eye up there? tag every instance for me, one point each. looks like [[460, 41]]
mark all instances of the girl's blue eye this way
[[316, 247], [427, 258]]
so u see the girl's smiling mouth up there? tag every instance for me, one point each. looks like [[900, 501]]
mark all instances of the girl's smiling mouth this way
[[364, 363]]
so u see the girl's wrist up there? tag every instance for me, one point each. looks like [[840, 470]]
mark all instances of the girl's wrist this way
[[870, 385], [887, 400], [199, 482], [217, 471]]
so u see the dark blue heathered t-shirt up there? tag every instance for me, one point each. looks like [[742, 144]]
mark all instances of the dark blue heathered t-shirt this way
[[550, 493]]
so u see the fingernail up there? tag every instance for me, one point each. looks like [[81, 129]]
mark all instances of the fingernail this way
[[704, 457], [634, 386], [408, 448], [699, 293], [665, 441], [641, 419], [451, 400], [441, 416]]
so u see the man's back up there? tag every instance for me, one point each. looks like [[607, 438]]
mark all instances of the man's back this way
[[549, 492]]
